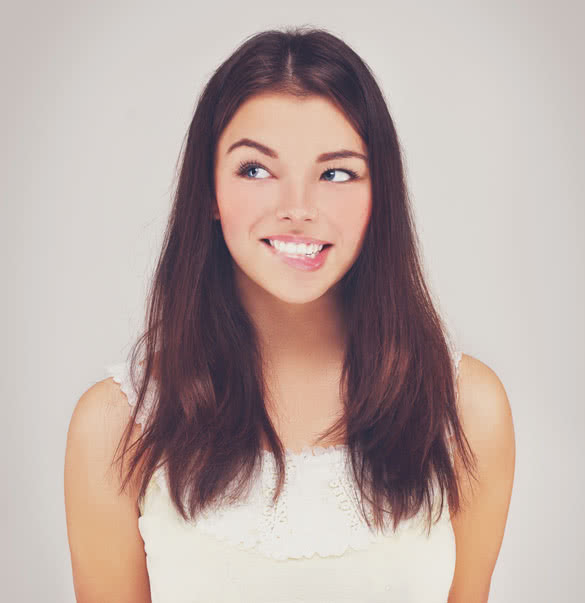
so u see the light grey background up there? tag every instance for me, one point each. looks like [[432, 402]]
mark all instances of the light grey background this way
[[488, 101]]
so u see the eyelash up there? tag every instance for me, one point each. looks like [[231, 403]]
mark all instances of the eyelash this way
[[246, 165]]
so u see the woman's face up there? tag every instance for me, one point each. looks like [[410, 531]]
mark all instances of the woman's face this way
[[288, 189]]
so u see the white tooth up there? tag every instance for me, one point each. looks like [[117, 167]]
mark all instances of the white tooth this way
[[296, 249]]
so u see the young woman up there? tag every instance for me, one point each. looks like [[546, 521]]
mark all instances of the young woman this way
[[294, 424]]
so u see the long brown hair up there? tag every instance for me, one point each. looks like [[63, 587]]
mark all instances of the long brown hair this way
[[201, 348]]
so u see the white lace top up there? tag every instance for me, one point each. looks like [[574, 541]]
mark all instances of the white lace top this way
[[312, 546]]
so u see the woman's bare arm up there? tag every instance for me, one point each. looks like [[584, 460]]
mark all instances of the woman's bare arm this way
[[107, 551], [479, 529]]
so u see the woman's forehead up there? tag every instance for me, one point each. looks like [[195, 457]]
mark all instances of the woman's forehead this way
[[281, 121]]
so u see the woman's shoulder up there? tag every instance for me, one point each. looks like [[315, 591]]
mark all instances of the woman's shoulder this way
[[104, 401], [101, 416], [104, 413], [477, 382], [483, 404]]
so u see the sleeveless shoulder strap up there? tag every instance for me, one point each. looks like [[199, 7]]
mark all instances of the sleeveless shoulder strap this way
[[455, 354], [455, 364], [120, 372]]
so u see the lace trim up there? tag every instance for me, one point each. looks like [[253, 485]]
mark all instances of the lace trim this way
[[309, 451], [121, 374]]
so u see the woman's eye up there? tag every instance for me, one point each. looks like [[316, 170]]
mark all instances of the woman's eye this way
[[247, 167], [350, 175]]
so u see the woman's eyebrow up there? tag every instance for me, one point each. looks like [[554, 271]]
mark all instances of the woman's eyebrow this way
[[342, 154]]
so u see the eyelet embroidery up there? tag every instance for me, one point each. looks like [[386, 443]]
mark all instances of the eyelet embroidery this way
[[347, 500], [275, 516]]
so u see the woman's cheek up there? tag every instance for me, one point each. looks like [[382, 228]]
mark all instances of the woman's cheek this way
[[352, 216], [240, 210]]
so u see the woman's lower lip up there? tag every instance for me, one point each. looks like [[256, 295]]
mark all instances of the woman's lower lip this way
[[300, 262]]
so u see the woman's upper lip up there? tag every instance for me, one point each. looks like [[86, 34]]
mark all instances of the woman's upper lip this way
[[297, 239]]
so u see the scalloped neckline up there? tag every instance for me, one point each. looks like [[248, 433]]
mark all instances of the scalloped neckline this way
[[309, 450]]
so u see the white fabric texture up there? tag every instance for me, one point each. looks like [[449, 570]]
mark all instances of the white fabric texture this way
[[312, 546]]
